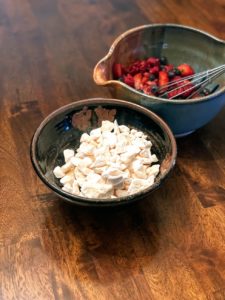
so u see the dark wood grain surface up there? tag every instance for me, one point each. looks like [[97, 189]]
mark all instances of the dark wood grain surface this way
[[170, 246]]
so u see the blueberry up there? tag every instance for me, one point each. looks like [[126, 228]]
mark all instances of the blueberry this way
[[152, 77], [171, 74], [163, 60], [177, 72], [154, 89]]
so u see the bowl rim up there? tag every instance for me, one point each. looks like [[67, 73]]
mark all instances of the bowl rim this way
[[157, 99], [75, 199]]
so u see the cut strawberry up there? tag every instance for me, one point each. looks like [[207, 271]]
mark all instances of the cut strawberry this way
[[163, 78], [144, 79], [138, 81], [147, 90], [186, 70], [117, 71]]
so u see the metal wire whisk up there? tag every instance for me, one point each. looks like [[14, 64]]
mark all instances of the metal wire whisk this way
[[192, 85]]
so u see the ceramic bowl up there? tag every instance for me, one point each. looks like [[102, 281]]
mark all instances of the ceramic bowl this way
[[180, 44], [62, 129]]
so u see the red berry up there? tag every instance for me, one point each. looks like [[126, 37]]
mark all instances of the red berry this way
[[143, 66], [147, 90], [144, 79], [183, 89], [168, 68], [176, 78], [154, 70], [117, 71], [163, 78], [185, 70], [129, 80], [153, 61], [138, 81], [187, 88], [151, 83]]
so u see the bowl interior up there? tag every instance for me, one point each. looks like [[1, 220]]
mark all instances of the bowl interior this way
[[63, 128], [179, 44]]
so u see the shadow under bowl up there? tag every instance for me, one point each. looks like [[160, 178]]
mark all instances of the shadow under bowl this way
[[63, 128], [180, 44]]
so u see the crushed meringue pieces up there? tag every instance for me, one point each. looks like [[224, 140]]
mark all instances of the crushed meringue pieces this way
[[112, 161]]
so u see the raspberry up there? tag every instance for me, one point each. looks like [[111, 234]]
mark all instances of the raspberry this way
[[129, 80], [153, 61]]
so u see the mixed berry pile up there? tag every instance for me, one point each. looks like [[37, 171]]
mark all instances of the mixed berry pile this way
[[152, 75]]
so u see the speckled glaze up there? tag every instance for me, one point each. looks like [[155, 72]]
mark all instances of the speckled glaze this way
[[62, 129], [179, 44]]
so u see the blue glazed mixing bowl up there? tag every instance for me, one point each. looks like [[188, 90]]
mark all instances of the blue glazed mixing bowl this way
[[180, 44]]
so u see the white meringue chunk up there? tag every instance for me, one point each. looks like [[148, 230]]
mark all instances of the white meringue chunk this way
[[85, 138], [86, 149], [100, 161], [116, 127], [58, 172], [67, 179], [96, 190], [86, 161], [121, 193], [113, 175], [139, 134], [137, 185], [96, 133], [68, 154], [133, 131], [124, 128], [66, 167], [67, 188], [75, 161], [153, 170], [79, 176], [154, 158], [145, 153], [107, 126]]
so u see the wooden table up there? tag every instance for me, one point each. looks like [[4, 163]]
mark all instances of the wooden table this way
[[170, 246]]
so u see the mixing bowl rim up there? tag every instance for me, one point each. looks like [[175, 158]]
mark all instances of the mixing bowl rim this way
[[157, 99]]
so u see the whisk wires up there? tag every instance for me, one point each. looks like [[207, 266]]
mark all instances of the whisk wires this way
[[192, 84]]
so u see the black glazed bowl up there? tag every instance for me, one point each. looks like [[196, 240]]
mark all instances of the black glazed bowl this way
[[62, 129]]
